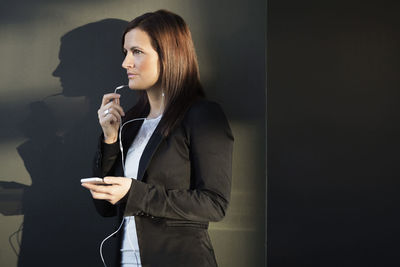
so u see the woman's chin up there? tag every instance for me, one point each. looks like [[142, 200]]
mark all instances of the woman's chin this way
[[132, 85], [135, 88]]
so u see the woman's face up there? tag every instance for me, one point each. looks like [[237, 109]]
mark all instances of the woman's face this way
[[141, 60]]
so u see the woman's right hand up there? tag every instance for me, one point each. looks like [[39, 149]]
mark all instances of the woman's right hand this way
[[110, 113]]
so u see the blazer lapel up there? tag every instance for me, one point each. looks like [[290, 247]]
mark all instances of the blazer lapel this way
[[149, 150]]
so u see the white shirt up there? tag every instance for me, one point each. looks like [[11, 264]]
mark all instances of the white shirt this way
[[130, 255]]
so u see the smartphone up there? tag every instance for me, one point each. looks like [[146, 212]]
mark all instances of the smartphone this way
[[93, 180]]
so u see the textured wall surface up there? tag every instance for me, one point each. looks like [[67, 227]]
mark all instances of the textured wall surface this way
[[57, 59]]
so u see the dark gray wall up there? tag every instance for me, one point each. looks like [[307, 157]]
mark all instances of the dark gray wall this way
[[333, 133], [58, 58]]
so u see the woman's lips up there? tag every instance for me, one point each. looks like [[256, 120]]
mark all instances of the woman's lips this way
[[131, 75]]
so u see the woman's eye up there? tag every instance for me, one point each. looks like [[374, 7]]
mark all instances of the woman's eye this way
[[136, 51]]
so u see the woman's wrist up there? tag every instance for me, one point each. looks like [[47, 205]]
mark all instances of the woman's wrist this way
[[110, 140]]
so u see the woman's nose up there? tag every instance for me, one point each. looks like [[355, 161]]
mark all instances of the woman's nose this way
[[128, 61]]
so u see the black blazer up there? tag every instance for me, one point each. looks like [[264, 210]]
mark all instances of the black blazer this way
[[184, 181]]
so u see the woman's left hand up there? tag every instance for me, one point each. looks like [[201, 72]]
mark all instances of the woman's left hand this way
[[114, 191]]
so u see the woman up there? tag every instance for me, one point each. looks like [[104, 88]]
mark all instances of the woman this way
[[168, 170]]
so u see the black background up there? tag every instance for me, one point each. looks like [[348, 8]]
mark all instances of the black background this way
[[333, 133]]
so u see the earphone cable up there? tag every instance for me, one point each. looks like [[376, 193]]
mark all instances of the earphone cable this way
[[105, 239], [123, 167]]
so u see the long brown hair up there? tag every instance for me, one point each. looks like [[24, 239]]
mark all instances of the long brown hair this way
[[179, 70]]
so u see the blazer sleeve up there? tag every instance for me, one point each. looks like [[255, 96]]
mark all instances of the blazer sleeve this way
[[105, 159], [211, 145]]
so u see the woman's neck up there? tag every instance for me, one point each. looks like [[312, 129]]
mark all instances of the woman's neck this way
[[157, 102]]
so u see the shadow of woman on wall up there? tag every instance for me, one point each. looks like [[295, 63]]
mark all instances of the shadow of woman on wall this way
[[61, 227]]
